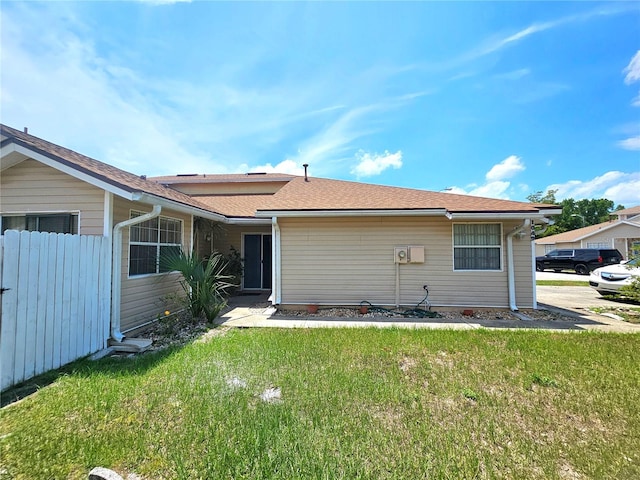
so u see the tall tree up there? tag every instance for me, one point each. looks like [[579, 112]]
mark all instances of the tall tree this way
[[575, 214]]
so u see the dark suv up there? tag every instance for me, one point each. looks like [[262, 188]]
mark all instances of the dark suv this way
[[582, 260]]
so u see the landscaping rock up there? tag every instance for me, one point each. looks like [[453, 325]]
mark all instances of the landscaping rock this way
[[101, 473]]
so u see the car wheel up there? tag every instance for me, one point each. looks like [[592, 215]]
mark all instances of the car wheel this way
[[539, 267], [582, 269]]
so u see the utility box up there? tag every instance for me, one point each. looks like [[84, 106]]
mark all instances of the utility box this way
[[401, 255], [416, 253]]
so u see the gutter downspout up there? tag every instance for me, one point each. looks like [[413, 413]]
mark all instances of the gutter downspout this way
[[116, 268], [276, 272], [510, 268]]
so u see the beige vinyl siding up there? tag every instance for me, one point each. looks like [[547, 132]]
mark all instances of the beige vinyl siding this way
[[335, 261], [144, 297], [31, 187]]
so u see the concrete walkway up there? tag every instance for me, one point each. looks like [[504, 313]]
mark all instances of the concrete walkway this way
[[246, 312]]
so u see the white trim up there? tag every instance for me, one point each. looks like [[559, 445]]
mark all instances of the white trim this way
[[503, 215], [37, 213], [107, 214], [511, 273], [157, 244], [116, 268], [453, 247], [351, 213], [178, 207], [90, 179], [248, 221], [276, 263], [533, 270]]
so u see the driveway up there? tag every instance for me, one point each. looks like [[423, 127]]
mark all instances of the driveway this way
[[572, 298], [576, 300]]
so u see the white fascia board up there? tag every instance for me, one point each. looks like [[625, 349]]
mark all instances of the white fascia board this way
[[352, 213], [179, 207], [69, 171], [5, 152], [248, 221], [498, 215]]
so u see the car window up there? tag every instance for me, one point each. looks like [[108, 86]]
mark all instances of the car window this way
[[565, 253]]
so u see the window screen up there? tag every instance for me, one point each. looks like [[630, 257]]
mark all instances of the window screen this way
[[477, 246]]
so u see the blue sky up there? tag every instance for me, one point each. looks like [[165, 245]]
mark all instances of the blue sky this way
[[494, 99]]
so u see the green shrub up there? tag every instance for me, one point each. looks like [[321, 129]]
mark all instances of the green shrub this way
[[205, 283]]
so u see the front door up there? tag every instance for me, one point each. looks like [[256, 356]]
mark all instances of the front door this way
[[257, 261]]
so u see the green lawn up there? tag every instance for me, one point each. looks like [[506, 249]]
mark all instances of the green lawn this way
[[355, 403], [564, 283]]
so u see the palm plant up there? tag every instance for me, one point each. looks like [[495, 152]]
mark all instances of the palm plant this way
[[203, 281]]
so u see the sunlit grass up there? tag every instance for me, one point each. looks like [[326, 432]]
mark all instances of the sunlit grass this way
[[354, 404], [563, 283]]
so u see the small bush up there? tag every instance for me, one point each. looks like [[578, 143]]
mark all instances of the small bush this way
[[470, 394], [543, 381]]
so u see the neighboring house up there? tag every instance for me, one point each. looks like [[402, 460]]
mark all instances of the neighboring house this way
[[623, 234], [305, 239]]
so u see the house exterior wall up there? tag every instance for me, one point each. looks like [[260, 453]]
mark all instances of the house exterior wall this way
[[144, 297], [31, 187], [343, 261], [620, 236]]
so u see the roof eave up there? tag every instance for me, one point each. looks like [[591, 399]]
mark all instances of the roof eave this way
[[16, 145], [177, 206], [533, 215]]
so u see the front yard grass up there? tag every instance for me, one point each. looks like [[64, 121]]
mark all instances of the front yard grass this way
[[354, 403]]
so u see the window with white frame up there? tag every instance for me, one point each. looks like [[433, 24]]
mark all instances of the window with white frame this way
[[42, 222], [477, 246], [150, 240], [598, 245]]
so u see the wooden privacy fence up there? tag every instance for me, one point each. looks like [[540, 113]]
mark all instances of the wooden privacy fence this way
[[58, 304]]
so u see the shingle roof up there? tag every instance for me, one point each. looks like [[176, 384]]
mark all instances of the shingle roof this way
[[107, 173], [235, 205], [326, 194], [296, 195], [223, 178], [628, 211]]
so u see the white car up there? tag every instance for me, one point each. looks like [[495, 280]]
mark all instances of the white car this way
[[608, 280]]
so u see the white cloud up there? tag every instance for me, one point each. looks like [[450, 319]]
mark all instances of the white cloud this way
[[496, 185], [507, 168], [620, 187], [636, 101], [286, 166], [57, 81], [632, 70], [374, 164], [631, 143]]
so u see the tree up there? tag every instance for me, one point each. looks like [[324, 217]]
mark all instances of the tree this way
[[575, 214], [549, 197]]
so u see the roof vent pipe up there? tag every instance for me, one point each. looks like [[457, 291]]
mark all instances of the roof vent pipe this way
[[306, 178], [26, 129]]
